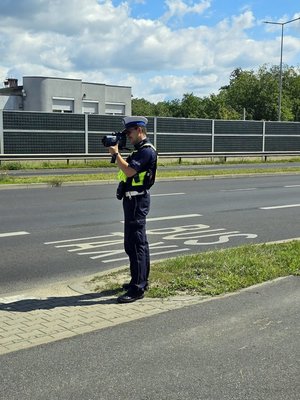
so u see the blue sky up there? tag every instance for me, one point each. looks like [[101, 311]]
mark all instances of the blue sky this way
[[218, 10], [162, 49]]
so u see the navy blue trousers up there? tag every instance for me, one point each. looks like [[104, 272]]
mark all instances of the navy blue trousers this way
[[136, 244]]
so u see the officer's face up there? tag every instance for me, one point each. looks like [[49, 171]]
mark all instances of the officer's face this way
[[134, 135]]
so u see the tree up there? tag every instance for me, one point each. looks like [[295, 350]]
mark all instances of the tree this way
[[142, 107], [291, 94], [256, 92], [162, 109], [215, 107], [241, 92], [175, 108], [191, 106]]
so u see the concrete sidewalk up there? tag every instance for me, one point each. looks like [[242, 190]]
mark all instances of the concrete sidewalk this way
[[60, 311]]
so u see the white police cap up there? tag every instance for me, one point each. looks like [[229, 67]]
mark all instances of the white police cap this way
[[134, 121]]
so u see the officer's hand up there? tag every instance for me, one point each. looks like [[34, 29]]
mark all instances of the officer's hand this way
[[114, 149]]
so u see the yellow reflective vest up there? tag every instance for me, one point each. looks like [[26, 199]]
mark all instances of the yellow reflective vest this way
[[141, 180]]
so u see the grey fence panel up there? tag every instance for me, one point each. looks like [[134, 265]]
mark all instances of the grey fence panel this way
[[43, 142], [95, 142], [42, 121], [110, 123], [282, 143], [238, 143], [234, 136], [282, 128], [283, 136], [183, 134], [36, 132], [104, 123], [238, 127], [184, 143], [184, 125]]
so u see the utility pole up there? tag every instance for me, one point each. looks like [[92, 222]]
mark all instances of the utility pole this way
[[281, 53]]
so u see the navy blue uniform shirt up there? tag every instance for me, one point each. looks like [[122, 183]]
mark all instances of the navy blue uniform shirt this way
[[143, 158]]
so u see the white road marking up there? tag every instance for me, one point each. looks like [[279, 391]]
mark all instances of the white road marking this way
[[7, 234], [189, 234], [284, 240], [108, 248], [276, 207], [236, 190], [291, 186], [112, 235], [166, 194], [151, 254], [173, 217], [91, 245]]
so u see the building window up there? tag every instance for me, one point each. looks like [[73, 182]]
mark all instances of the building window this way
[[115, 108], [62, 105], [90, 107]]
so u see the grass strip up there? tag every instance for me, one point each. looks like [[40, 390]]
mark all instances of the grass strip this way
[[31, 165], [37, 164], [57, 180], [215, 272]]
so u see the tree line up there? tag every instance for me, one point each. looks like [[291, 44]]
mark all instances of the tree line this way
[[250, 94]]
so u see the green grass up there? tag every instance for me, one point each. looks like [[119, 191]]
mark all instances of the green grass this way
[[229, 161], [21, 165], [223, 172], [55, 180], [215, 272]]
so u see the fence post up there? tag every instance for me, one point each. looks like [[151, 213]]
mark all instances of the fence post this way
[[264, 138], [212, 137], [86, 133], [1, 133], [155, 132]]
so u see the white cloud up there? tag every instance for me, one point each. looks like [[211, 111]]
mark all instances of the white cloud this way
[[177, 85], [178, 8], [98, 42]]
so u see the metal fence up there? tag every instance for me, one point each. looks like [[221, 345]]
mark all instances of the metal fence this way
[[25, 133]]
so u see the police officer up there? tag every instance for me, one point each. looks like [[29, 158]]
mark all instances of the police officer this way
[[136, 175]]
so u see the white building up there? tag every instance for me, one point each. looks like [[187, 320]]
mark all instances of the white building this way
[[65, 95]]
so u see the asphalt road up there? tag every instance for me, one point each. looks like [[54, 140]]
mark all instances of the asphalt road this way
[[52, 234], [239, 347]]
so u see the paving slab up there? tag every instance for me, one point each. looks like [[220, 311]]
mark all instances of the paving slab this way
[[59, 311]]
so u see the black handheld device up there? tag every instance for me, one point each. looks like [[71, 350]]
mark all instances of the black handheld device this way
[[113, 139]]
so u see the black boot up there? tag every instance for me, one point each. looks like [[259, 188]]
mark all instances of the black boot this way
[[131, 296]]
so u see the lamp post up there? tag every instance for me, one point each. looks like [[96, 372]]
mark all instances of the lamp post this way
[[280, 69]]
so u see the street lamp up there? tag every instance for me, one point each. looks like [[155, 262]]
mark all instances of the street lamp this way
[[281, 51]]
